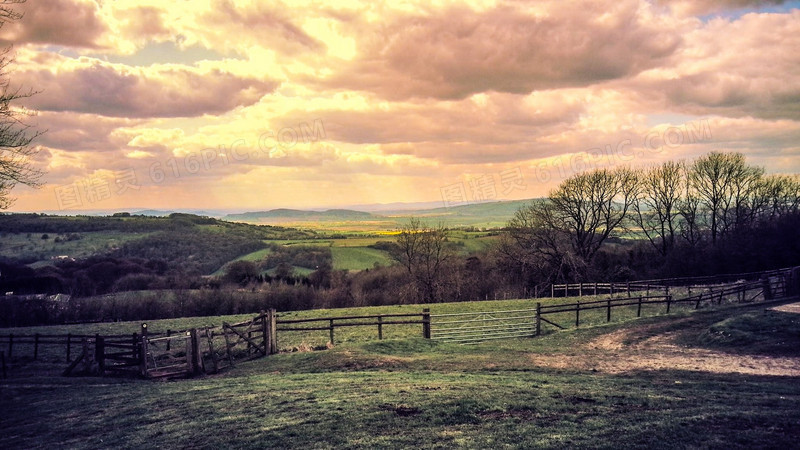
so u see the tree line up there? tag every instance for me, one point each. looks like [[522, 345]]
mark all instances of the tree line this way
[[692, 217]]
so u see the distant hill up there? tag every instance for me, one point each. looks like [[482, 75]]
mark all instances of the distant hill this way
[[497, 210], [283, 214], [486, 215]]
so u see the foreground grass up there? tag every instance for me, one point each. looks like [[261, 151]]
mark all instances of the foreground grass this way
[[415, 393]]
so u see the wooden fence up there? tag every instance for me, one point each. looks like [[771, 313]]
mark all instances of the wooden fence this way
[[211, 349], [742, 292], [190, 352], [378, 320], [488, 325], [661, 284]]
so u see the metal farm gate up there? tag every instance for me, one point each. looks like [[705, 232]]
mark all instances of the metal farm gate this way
[[483, 326]]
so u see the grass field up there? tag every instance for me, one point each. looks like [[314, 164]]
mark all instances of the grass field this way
[[358, 258], [417, 393], [288, 341]]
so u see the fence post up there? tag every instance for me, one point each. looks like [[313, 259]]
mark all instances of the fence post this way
[[193, 345], [538, 318], [639, 307], [143, 351], [426, 323], [628, 287], [611, 289], [580, 289], [331, 332], [552, 291], [577, 313], [265, 332], [36, 346], [210, 337], [595, 289], [380, 328], [273, 331], [767, 287], [608, 311], [100, 353], [669, 300], [191, 352]]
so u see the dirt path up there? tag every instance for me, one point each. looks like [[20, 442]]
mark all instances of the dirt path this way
[[637, 348]]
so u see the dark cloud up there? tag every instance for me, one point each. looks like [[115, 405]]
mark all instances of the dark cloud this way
[[57, 22], [455, 53], [98, 88], [80, 132]]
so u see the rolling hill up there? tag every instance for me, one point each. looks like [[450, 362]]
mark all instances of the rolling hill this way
[[481, 215]]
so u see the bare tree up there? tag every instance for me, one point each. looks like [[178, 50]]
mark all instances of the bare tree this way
[[725, 184], [657, 209], [689, 207], [538, 245], [590, 206], [558, 237], [775, 196], [16, 137], [424, 251]]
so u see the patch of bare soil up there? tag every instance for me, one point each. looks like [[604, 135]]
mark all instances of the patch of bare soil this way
[[645, 347]]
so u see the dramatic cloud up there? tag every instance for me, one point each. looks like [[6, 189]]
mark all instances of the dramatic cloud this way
[[457, 52], [302, 104], [72, 23], [92, 86], [738, 68]]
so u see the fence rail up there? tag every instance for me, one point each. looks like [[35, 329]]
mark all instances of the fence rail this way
[[744, 292], [660, 284], [374, 320]]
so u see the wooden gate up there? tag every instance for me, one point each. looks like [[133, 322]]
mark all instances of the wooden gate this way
[[252, 339], [483, 326], [171, 355]]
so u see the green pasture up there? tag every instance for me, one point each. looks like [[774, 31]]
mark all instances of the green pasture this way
[[415, 393]]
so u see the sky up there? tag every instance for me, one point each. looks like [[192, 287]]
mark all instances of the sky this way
[[237, 105]]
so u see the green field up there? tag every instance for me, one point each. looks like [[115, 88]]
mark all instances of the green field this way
[[358, 258], [415, 393]]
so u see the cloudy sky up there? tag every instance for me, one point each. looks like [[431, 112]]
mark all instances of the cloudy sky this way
[[225, 104]]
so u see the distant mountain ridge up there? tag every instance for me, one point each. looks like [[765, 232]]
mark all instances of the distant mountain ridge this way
[[483, 214], [299, 214]]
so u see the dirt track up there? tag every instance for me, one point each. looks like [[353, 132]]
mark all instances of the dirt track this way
[[645, 348]]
